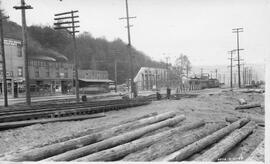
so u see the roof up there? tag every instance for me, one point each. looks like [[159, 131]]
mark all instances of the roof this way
[[96, 80], [43, 58]]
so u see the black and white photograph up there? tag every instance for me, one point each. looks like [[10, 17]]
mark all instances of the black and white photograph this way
[[134, 81]]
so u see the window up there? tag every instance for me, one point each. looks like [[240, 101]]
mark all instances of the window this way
[[20, 71], [19, 50], [36, 72], [57, 74], [47, 72], [66, 73]]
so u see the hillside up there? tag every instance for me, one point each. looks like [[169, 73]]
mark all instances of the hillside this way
[[93, 53]]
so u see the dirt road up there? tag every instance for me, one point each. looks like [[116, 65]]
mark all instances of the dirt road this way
[[211, 105]]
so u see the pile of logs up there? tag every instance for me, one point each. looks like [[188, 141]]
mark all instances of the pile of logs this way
[[135, 137]]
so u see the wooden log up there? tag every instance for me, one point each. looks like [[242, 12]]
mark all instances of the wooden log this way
[[58, 148], [114, 141], [227, 144], [203, 143], [122, 150], [174, 144], [257, 154], [231, 119], [258, 119], [248, 106]]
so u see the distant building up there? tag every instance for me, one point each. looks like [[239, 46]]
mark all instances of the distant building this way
[[50, 76], [93, 81], [150, 78]]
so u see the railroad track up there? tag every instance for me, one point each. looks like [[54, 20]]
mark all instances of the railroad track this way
[[51, 107], [20, 118]]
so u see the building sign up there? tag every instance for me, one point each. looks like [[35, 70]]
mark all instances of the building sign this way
[[11, 42], [8, 74]]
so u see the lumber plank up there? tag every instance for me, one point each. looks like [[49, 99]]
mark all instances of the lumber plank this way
[[228, 143], [58, 148], [122, 150], [203, 143], [114, 141]]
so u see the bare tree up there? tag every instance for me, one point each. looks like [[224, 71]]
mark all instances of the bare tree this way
[[182, 66]]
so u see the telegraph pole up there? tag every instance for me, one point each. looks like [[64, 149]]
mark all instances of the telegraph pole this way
[[24, 7], [3, 58], [133, 90], [237, 30], [115, 74], [69, 21], [231, 66], [243, 74]]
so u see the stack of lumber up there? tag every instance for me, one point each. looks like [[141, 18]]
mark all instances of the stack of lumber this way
[[168, 136]]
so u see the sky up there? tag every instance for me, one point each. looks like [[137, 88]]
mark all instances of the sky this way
[[200, 29]]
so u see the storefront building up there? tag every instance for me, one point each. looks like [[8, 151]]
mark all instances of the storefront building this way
[[46, 75]]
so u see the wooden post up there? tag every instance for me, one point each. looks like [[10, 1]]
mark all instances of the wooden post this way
[[4, 80], [23, 7]]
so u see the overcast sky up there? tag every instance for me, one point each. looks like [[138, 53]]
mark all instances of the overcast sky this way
[[200, 29]]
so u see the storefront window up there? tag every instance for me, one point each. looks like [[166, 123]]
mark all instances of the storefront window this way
[[20, 71]]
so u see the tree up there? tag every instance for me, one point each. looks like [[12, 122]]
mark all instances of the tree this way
[[182, 67]]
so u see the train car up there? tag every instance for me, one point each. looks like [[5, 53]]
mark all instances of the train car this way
[[204, 83]]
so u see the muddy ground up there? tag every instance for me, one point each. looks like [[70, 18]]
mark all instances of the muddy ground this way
[[212, 105]]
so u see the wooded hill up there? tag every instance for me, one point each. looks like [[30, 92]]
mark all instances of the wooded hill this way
[[93, 53]]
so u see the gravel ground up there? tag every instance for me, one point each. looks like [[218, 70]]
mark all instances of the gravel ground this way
[[211, 105]]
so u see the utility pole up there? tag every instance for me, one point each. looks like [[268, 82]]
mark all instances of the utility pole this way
[[237, 30], [115, 74], [68, 19], [231, 66], [24, 7], [243, 74], [167, 69], [3, 58], [251, 75], [133, 89]]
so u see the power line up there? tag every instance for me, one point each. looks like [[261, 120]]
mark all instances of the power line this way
[[237, 30], [69, 24], [231, 66], [133, 89], [24, 7]]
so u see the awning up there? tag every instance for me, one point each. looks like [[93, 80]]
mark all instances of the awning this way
[[97, 80]]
